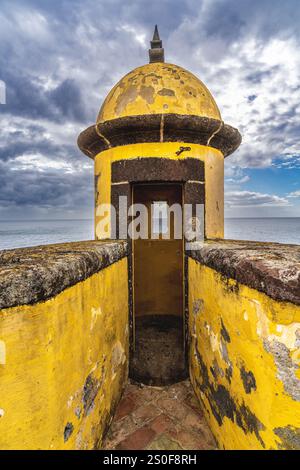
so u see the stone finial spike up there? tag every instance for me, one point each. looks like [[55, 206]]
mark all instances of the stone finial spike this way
[[156, 53], [156, 34]]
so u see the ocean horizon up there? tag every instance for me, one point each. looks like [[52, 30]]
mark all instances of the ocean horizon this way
[[33, 232]]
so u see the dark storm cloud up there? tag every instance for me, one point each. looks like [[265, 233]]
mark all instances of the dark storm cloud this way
[[231, 20], [67, 98], [25, 97], [26, 187]]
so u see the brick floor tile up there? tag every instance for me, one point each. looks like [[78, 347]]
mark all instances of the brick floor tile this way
[[173, 407], [179, 391], [194, 421], [137, 440], [192, 402], [131, 388], [147, 394], [125, 407], [188, 440], [161, 423], [159, 418], [145, 413], [163, 442], [119, 430]]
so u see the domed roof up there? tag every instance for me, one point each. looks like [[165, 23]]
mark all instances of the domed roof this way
[[159, 102], [158, 88]]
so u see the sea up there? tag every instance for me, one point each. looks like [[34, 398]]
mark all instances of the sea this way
[[21, 233]]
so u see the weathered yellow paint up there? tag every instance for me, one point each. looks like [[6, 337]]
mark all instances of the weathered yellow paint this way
[[66, 364], [214, 195], [159, 88], [263, 341], [214, 176]]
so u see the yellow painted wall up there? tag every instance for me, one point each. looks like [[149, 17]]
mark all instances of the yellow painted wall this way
[[214, 177], [63, 364], [244, 362]]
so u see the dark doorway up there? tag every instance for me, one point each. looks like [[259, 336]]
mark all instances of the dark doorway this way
[[158, 279]]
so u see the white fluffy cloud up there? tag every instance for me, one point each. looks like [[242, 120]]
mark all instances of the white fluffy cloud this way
[[252, 199], [295, 194]]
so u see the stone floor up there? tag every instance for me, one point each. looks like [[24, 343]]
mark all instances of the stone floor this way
[[152, 335], [159, 418]]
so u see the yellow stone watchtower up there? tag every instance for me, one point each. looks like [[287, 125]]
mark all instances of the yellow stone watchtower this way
[[159, 138]]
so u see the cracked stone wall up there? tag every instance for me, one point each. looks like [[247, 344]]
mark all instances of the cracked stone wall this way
[[244, 346], [63, 358]]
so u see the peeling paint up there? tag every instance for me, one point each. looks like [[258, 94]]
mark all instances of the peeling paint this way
[[69, 380], [78, 412], [248, 380], [290, 437], [147, 93], [166, 92], [127, 98], [90, 391], [261, 383], [198, 305], [68, 431], [286, 368], [224, 332], [2, 353], [118, 356], [223, 405], [96, 313]]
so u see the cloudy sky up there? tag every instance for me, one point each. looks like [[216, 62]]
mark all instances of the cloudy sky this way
[[59, 59]]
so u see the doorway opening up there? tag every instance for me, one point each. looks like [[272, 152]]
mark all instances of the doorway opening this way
[[158, 350]]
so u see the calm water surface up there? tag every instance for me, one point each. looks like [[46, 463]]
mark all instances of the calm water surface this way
[[282, 230], [16, 234]]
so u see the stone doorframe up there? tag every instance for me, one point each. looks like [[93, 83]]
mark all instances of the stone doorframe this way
[[189, 172]]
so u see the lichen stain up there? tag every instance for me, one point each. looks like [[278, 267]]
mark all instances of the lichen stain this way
[[198, 306], [223, 405], [166, 92], [224, 333], [178, 87], [147, 93], [118, 356], [154, 76], [248, 380], [78, 412], [286, 368], [228, 373], [216, 370], [2, 353], [290, 437], [191, 91], [96, 313], [90, 391], [68, 431], [128, 96], [229, 285], [96, 188], [268, 361], [297, 341]]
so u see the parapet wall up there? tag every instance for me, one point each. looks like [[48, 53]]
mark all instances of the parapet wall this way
[[244, 321], [63, 343]]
